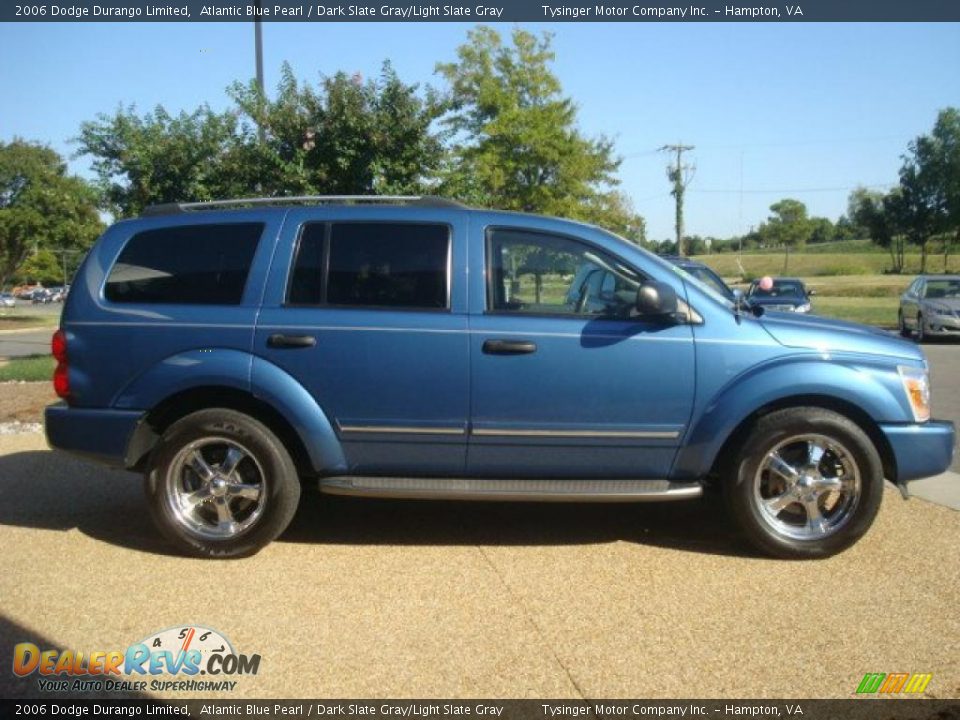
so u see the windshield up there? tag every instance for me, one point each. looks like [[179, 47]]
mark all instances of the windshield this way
[[943, 289], [780, 289], [707, 289]]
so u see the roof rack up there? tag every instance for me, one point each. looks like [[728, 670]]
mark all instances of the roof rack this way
[[420, 200]]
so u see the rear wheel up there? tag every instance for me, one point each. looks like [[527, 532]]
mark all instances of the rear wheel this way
[[221, 484], [807, 483]]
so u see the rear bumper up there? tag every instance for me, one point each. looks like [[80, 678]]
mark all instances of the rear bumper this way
[[920, 450], [100, 435]]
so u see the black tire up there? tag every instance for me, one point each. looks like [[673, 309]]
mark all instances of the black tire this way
[[921, 335], [746, 477], [904, 330], [266, 469]]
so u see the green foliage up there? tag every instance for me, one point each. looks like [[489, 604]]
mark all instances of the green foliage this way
[[160, 158], [33, 368], [41, 207], [516, 145], [347, 137], [42, 267]]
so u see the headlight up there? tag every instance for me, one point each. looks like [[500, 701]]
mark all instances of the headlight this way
[[803, 308], [916, 384]]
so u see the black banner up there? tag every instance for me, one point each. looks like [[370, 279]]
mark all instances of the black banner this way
[[855, 709], [480, 11]]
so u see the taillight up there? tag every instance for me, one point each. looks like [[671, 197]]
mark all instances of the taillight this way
[[61, 376]]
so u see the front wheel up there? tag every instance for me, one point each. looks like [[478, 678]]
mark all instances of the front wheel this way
[[221, 484], [806, 484], [902, 325]]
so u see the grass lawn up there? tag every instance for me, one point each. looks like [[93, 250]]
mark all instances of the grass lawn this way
[[14, 321], [32, 368], [820, 264], [880, 311]]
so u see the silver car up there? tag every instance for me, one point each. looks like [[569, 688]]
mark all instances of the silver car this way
[[931, 307], [7, 300]]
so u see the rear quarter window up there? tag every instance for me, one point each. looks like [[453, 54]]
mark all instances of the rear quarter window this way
[[185, 265]]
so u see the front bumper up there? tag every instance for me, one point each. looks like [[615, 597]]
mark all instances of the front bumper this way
[[941, 325], [920, 450], [96, 434]]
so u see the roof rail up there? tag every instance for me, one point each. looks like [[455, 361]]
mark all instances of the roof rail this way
[[421, 200]]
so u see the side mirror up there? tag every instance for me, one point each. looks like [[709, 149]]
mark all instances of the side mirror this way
[[657, 299], [811, 292]]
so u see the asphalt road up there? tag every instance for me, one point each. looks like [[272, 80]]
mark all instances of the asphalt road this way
[[366, 598]]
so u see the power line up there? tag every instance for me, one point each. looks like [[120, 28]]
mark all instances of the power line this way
[[795, 190], [790, 143]]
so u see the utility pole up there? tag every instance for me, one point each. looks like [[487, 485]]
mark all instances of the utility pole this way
[[258, 49], [680, 175]]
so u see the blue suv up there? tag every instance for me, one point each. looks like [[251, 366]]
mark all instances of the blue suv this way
[[417, 348]]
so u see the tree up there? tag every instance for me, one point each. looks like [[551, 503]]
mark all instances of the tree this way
[[41, 206], [880, 216], [931, 174], [348, 137], [788, 227], [161, 158], [516, 144]]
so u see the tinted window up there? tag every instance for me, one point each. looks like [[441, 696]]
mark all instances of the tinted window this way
[[306, 286], [537, 273], [388, 265], [186, 265]]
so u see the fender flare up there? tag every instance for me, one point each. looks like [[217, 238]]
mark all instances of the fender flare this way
[[252, 375], [853, 384]]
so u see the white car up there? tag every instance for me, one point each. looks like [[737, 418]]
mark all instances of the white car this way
[[7, 300]]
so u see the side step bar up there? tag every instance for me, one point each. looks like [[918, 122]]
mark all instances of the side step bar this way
[[529, 490]]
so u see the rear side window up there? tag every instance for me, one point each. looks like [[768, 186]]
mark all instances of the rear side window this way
[[185, 265], [385, 265]]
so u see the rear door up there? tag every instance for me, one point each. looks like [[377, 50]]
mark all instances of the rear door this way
[[364, 309]]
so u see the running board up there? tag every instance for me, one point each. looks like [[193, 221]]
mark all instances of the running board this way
[[530, 490]]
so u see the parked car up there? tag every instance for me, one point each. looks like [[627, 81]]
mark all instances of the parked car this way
[[7, 300], [785, 294], [25, 292], [703, 273], [418, 348], [931, 307]]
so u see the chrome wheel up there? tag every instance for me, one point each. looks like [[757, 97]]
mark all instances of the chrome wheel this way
[[807, 487], [215, 488]]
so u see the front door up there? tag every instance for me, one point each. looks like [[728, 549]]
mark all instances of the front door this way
[[370, 320], [566, 380]]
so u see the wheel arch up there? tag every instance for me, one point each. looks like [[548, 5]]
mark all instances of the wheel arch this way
[[183, 403], [826, 402]]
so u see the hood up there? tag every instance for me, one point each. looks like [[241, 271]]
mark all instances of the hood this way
[[827, 335], [774, 300]]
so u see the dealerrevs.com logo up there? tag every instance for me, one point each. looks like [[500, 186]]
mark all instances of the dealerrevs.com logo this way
[[187, 657]]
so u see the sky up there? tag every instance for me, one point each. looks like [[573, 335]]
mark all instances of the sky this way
[[804, 110]]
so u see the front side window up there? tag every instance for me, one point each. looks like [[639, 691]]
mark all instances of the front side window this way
[[537, 273], [185, 265]]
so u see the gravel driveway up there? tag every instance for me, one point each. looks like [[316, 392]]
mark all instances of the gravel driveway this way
[[403, 599]]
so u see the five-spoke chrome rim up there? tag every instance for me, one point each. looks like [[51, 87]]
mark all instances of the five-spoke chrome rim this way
[[215, 488], [807, 487]]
